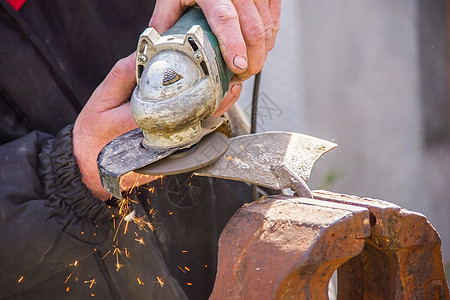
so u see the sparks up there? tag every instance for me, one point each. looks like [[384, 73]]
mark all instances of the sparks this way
[[187, 268], [20, 279], [181, 269], [134, 180], [92, 282], [140, 281], [126, 228], [124, 206], [127, 214], [118, 266], [189, 283], [135, 184], [143, 224], [122, 180], [117, 252], [184, 251], [68, 277], [74, 264], [161, 181], [151, 190], [106, 255], [140, 241], [160, 282], [67, 289], [117, 230]]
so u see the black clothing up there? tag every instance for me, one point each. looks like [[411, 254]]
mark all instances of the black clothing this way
[[189, 214], [57, 240], [57, 235], [53, 54]]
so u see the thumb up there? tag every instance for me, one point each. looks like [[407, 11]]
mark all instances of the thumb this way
[[116, 88]]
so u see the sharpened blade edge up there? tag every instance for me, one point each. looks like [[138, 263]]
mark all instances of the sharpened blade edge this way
[[257, 158]]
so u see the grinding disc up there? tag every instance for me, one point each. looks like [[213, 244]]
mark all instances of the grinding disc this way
[[208, 150]]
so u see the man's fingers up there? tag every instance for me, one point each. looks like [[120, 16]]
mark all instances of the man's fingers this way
[[266, 18], [275, 12], [122, 119], [234, 91], [166, 14], [117, 86], [254, 35], [224, 22]]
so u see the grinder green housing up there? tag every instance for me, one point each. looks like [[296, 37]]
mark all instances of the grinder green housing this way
[[195, 16]]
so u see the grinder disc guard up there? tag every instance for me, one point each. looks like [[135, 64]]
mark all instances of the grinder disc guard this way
[[208, 150]]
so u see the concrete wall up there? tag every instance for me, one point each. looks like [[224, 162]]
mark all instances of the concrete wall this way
[[353, 72]]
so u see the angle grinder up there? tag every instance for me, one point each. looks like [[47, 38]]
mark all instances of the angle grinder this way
[[181, 80]]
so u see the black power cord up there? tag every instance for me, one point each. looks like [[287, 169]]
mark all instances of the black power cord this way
[[253, 123]]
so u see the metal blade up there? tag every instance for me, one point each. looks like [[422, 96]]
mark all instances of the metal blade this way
[[125, 154], [276, 160]]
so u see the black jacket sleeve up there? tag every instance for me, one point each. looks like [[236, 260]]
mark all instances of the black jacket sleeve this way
[[48, 218]]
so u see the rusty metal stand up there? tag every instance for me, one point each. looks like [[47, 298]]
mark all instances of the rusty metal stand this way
[[287, 247]]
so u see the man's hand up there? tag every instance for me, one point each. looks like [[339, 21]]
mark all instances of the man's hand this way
[[246, 31], [104, 117]]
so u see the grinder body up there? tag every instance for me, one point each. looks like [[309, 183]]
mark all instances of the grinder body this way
[[181, 79]]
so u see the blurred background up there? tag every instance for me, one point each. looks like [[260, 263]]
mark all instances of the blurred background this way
[[373, 77]]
